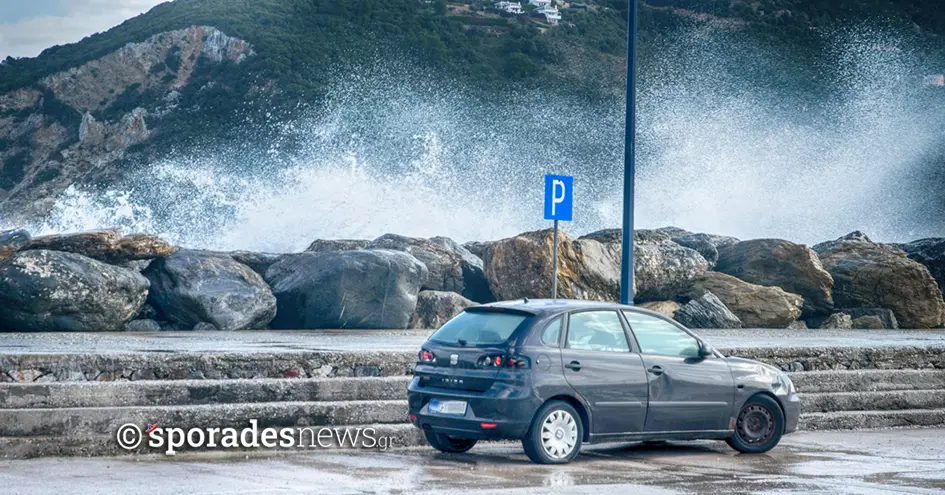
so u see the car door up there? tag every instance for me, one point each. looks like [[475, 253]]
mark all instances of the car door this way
[[687, 392], [599, 365]]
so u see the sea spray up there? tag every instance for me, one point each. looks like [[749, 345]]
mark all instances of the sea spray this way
[[721, 149]]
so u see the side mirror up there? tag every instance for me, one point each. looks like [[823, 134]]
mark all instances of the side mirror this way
[[705, 350]]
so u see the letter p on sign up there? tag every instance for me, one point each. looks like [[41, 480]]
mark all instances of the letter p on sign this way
[[559, 197]]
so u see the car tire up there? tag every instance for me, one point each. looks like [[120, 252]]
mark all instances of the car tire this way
[[758, 426], [448, 444], [555, 435]]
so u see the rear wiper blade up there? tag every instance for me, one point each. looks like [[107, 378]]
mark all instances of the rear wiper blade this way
[[461, 342]]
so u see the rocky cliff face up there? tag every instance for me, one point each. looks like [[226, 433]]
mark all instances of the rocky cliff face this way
[[70, 126]]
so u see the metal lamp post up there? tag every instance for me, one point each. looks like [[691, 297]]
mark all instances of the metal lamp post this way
[[626, 265]]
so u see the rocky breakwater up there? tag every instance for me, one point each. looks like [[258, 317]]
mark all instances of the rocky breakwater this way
[[106, 281]]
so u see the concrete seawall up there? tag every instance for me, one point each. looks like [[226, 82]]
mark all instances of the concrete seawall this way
[[26, 358], [41, 368], [67, 394]]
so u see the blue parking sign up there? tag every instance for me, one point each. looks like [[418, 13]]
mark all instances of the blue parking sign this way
[[559, 197]]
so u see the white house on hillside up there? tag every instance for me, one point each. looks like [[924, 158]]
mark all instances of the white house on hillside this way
[[552, 15], [514, 8], [540, 3]]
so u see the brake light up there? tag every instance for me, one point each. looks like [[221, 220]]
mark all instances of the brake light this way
[[516, 362], [488, 426], [500, 361], [427, 356]]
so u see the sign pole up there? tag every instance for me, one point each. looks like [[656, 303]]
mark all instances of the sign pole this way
[[626, 259], [559, 205], [554, 261]]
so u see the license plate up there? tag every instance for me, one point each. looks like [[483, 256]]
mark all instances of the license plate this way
[[451, 407]]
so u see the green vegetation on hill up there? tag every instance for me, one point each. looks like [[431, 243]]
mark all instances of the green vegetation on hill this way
[[301, 45], [299, 41]]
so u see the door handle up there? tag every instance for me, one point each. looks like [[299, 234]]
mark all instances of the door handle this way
[[656, 370], [573, 365]]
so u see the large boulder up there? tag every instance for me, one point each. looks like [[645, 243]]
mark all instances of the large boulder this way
[[707, 312], [885, 316], [12, 241], [610, 236], [191, 287], [662, 269], [478, 248], [706, 244], [868, 323], [434, 308], [673, 231], [667, 308], [374, 289], [475, 285], [106, 245], [665, 270], [756, 306], [929, 252], [779, 263], [873, 275], [258, 262], [142, 326], [837, 321], [65, 292], [521, 266], [856, 235], [445, 266], [333, 245]]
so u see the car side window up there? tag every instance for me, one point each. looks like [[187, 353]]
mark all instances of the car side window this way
[[597, 331], [657, 336], [551, 335]]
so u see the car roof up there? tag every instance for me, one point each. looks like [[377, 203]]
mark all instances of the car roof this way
[[547, 307]]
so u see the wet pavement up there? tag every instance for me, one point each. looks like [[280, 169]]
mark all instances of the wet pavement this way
[[408, 340], [864, 462]]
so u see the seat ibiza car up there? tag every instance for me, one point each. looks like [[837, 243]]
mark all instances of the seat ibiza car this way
[[558, 374]]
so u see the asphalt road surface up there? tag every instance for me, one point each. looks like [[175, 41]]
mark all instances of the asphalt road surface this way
[[864, 462]]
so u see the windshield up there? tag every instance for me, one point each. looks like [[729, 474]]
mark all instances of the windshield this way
[[479, 328]]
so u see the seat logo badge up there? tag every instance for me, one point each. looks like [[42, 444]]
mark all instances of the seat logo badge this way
[[454, 358]]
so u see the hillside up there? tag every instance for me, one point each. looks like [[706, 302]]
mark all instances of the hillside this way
[[196, 70]]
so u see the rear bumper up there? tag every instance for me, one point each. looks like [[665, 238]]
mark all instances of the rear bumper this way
[[792, 412], [509, 408]]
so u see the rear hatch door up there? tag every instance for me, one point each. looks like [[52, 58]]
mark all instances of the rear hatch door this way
[[463, 347]]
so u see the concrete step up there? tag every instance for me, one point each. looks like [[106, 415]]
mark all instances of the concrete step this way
[[195, 392], [857, 420], [387, 436], [107, 420], [288, 363], [891, 400], [868, 380]]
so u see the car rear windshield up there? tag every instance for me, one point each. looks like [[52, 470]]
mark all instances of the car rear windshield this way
[[479, 328]]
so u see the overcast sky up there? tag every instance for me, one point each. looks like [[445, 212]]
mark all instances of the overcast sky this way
[[29, 26]]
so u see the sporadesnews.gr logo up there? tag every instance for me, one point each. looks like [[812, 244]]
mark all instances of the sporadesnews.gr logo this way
[[131, 436]]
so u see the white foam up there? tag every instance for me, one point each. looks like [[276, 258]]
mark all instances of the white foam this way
[[408, 153]]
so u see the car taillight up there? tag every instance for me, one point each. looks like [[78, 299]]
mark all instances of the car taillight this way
[[503, 361], [516, 362], [427, 356]]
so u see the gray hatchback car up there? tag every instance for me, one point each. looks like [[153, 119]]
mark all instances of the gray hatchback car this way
[[557, 373]]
